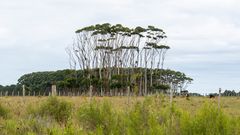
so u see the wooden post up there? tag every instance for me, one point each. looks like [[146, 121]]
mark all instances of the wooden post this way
[[219, 96], [171, 95], [54, 90], [23, 90], [90, 92], [128, 90], [18, 93]]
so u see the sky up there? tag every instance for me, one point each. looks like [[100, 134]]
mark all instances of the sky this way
[[204, 35]]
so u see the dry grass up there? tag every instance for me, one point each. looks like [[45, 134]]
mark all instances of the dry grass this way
[[19, 105]]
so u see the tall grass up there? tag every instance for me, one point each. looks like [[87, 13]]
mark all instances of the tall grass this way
[[100, 118], [153, 116], [53, 108], [4, 112]]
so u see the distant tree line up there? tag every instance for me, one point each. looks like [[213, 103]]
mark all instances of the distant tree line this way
[[117, 57], [10, 88], [228, 93], [74, 81]]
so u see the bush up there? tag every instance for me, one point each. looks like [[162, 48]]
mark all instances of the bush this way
[[9, 128], [99, 118], [56, 109], [152, 116], [3, 112], [137, 119], [210, 120]]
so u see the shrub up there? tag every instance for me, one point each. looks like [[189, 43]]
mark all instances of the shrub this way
[[56, 109], [9, 128], [3, 111], [30, 126], [99, 118], [137, 119], [210, 120]]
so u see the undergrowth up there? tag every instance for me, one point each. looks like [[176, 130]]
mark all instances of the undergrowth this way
[[153, 116]]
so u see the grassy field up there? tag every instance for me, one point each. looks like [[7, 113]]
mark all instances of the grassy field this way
[[76, 115], [18, 105]]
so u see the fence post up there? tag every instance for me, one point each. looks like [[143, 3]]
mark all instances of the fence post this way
[[54, 90], [171, 95], [128, 90], [90, 92], [23, 90], [219, 96]]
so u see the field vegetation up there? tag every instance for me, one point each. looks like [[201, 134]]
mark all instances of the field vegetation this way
[[151, 115]]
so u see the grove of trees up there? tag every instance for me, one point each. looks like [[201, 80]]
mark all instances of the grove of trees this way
[[115, 57], [74, 81], [112, 60]]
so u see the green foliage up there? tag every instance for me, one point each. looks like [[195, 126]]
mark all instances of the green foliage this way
[[78, 80], [230, 93], [4, 112], [137, 119], [38, 81], [106, 28], [22, 127], [53, 108], [99, 118], [163, 87], [10, 88], [210, 120], [9, 128], [153, 116], [119, 81]]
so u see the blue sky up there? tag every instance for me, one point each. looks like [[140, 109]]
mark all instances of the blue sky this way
[[204, 35]]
